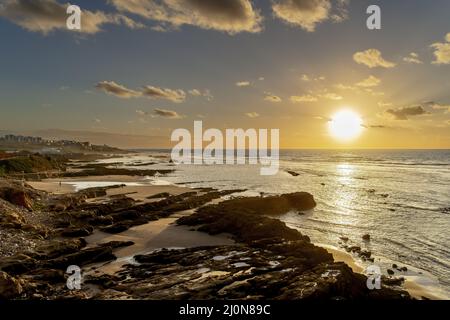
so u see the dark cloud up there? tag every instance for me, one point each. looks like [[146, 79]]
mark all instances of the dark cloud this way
[[166, 113], [406, 112], [231, 16], [45, 16]]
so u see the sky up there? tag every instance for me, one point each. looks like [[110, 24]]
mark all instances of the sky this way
[[139, 69]]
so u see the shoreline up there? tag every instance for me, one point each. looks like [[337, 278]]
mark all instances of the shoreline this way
[[165, 234]]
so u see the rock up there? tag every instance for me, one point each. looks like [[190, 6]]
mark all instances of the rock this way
[[390, 272], [125, 215], [48, 275], [354, 249], [10, 216], [21, 199], [391, 281], [123, 225], [271, 205], [293, 173], [394, 266], [404, 269], [17, 264], [10, 287], [365, 254], [366, 237], [159, 195], [77, 232], [83, 257], [238, 272], [345, 239], [54, 249], [101, 221]]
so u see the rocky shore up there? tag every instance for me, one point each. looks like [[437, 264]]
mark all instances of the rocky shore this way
[[42, 234]]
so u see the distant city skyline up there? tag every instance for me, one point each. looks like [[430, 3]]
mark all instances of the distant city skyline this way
[[139, 69]]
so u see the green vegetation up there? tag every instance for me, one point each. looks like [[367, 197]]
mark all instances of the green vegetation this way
[[30, 164]]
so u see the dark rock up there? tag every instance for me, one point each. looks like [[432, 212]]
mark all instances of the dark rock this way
[[345, 239], [48, 275], [159, 195], [391, 281], [17, 264], [390, 272], [365, 254], [366, 237], [293, 173], [271, 205], [125, 215], [123, 225], [354, 249], [83, 257], [77, 232], [9, 286]]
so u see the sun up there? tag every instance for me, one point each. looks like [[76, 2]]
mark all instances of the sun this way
[[345, 125]]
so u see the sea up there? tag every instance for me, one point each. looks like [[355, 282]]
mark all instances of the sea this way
[[401, 198]]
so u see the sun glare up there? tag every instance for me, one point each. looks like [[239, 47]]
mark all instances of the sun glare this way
[[345, 125]]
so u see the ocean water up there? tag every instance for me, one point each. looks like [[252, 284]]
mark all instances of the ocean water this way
[[400, 198]]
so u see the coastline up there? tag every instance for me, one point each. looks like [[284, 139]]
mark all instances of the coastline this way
[[164, 233]]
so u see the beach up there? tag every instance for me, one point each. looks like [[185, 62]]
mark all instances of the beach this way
[[165, 233]]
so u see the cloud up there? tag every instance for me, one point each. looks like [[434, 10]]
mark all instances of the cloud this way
[[306, 14], [332, 96], [412, 58], [230, 16], [305, 78], [176, 96], [437, 106], [271, 97], [170, 114], [141, 112], [369, 82], [252, 114], [341, 86], [372, 58], [195, 92], [113, 88], [442, 51], [243, 84], [384, 104], [406, 112], [304, 98], [45, 16]]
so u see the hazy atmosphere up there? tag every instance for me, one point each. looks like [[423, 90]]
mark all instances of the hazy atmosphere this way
[[130, 76]]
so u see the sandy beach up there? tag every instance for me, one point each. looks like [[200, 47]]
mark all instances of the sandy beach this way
[[164, 233]]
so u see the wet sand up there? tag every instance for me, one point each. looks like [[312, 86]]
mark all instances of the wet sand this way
[[163, 233], [342, 256], [139, 189]]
